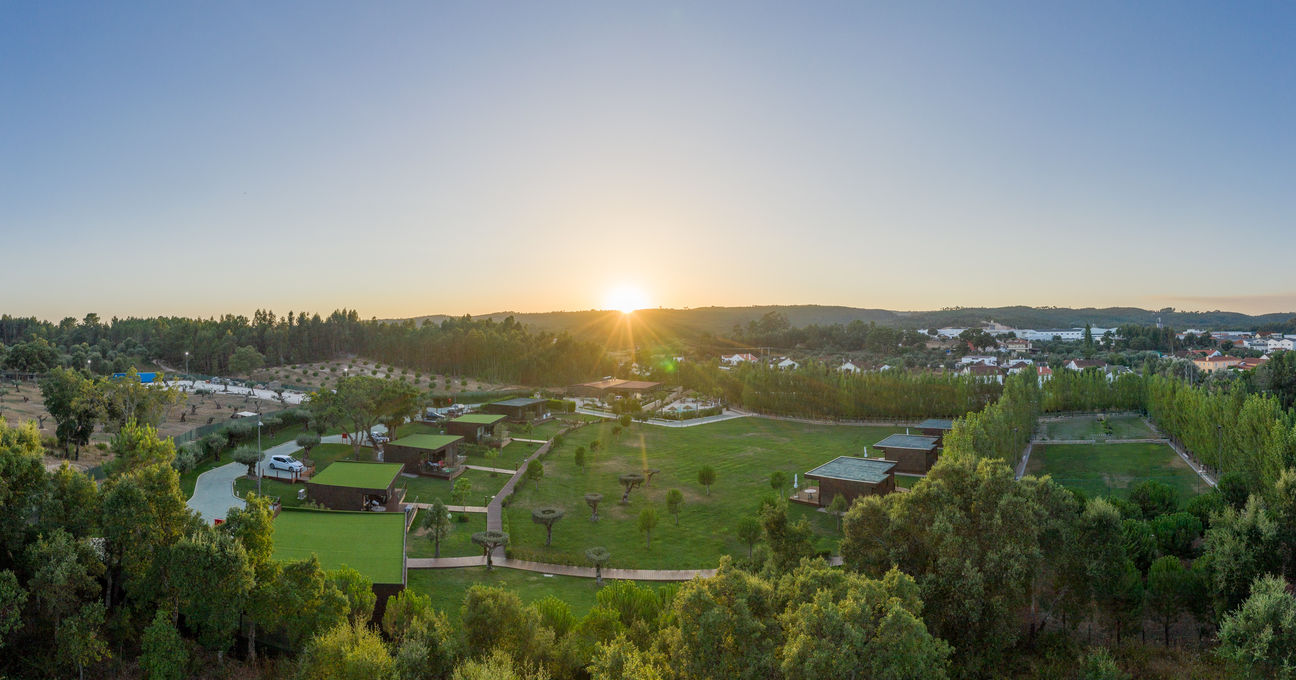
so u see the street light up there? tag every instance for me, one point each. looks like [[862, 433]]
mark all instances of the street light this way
[[259, 462], [186, 365]]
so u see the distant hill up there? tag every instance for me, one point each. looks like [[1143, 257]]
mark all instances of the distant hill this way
[[666, 324]]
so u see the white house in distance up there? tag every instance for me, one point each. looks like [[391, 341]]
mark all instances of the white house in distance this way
[[786, 364], [1276, 343], [979, 359], [849, 367], [735, 359]]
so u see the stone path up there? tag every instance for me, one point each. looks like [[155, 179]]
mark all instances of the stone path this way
[[483, 468], [569, 570], [451, 508], [727, 415], [495, 510]]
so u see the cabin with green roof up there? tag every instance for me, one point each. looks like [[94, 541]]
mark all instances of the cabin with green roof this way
[[372, 543], [912, 453], [430, 455], [347, 485], [850, 477], [519, 409], [475, 427], [936, 427]]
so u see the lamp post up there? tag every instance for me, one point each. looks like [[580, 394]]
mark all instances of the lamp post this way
[[259, 462], [186, 365]]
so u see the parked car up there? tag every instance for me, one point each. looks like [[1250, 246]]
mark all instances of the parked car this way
[[286, 463], [375, 438]]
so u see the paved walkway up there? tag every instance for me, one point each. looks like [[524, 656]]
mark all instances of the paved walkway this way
[[452, 508], [727, 415], [495, 510], [213, 494], [529, 441], [483, 468], [569, 570]]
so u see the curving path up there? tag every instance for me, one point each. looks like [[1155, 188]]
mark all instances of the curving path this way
[[213, 494]]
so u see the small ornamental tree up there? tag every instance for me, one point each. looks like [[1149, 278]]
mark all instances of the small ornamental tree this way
[[489, 541], [535, 472], [749, 532], [548, 516], [616, 431], [778, 480], [437, 522], [838, 507], [648, 475], [307, 441], [624, 420], [674, 499], [593, 500], [629, 481], [580, 457], [647, 522], [599, 557], [594, 445], [707, 477], [248, 456], [459, 492]]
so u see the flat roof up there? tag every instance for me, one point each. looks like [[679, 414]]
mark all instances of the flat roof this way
[[852, 469], [936, 424], [479, 418], [908, 441], [519, 401], [358, 475], [427, 441], [372, 543]]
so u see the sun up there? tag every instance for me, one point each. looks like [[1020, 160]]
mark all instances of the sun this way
[[625, 298]]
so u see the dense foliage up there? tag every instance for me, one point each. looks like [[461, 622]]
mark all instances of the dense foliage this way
[[492, 350]]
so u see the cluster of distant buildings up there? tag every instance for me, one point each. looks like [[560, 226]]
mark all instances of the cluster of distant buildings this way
[[1256, 342], [728, 361], [1029, 334]]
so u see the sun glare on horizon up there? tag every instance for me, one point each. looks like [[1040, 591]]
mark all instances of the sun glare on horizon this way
[[626, 299]]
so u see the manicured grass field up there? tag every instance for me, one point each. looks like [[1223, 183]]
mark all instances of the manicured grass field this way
[[447, 587], [1088, 427], [508, 457], [547, 430], [369, 542], [424, 489], [457, 544], [1114, 469], [744, 452]]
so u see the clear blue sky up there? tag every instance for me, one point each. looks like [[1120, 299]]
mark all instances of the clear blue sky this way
[[413, 158]]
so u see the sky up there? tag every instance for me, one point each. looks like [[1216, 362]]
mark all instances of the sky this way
[[410, 158]]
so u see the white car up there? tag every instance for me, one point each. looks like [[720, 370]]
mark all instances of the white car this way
[[286, 463]]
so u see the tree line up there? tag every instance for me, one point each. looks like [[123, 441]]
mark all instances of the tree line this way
[[502, 351], [821, 392]]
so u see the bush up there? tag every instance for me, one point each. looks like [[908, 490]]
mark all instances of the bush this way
[[185, 459]]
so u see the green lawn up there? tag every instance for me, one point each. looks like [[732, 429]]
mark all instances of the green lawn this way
[[1088, 427], [1113, 469], [547, 430], [447, 587], [424, 489], [369, 542], [906, 482], [457, 544], [743, 452], [285, 492], [507, 458]]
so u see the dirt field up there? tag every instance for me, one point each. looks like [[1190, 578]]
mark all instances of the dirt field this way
[[24, 402], [310, 377]]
